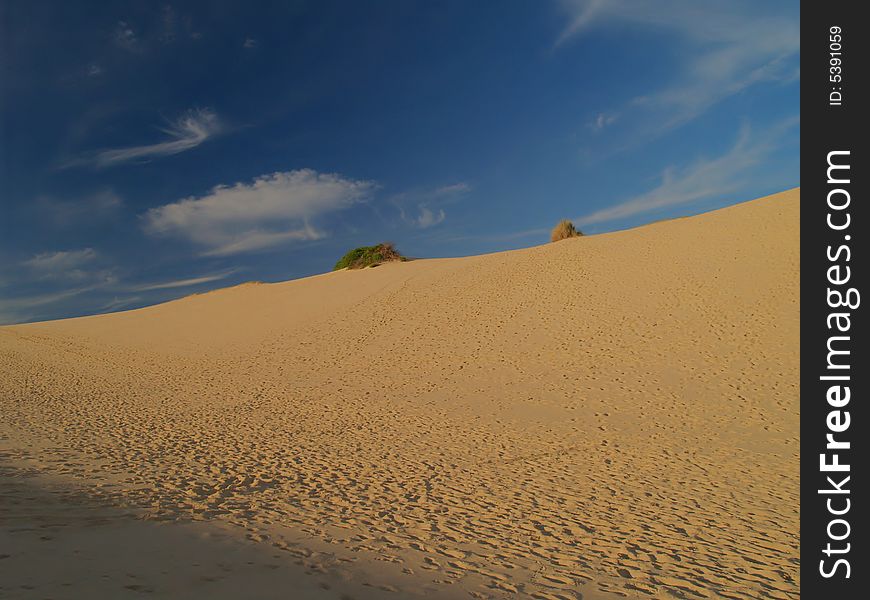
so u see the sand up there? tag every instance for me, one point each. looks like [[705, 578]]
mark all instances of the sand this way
[[602, 417]]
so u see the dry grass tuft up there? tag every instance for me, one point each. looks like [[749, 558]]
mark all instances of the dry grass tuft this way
[[563, 230]]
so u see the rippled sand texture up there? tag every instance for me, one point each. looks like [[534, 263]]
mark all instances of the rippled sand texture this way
[[603, 416]]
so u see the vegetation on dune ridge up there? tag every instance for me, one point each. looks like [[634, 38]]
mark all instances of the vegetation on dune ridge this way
[[368, 256], [563, 230]]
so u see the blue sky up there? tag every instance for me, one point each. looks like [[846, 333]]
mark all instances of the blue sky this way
[[149, 151]]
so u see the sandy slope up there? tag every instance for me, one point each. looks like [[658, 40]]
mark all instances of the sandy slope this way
[[617, 413]]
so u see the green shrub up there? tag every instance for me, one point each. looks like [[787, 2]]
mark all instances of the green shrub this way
[[366, 256], [563, 230]]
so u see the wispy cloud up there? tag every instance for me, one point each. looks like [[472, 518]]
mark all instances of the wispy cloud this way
[[428, 218], [454, 189], [427, 205], [187, 132], [84, 267], [27, 307], [169, 24], [250, 43], [702, 179], [731, 46], [253, 240], [52, 262], [152, 30], [90, 209], [179, 283], [602, 120], [498, 237], [125, 37], [85, 293], [271, 210], [117, 302], [22, 308]]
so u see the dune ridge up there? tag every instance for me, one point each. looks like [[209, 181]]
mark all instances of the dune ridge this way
[[605, 416]]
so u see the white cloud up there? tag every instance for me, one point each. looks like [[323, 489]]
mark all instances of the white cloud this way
[[731, 46], [250, 43], [703, 179], [271, 210], [189, 131]]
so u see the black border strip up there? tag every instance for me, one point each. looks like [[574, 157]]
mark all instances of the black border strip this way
[[834, 260]]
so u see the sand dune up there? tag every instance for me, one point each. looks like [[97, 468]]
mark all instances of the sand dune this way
[[609, 416]]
